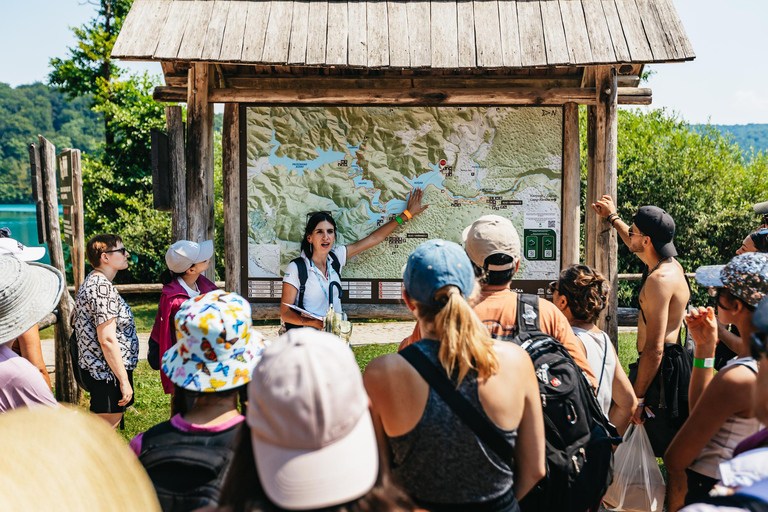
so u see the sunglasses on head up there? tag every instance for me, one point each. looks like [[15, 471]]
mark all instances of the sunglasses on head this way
[[312, 214], [121, 250]]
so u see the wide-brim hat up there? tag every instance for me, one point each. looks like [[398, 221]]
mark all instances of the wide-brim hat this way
[[28, 292], [217, 347], [311, 429], [745, 277], [57, 459]]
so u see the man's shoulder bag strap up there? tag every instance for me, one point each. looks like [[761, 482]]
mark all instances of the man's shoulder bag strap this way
[[528, 313], [466, 412]]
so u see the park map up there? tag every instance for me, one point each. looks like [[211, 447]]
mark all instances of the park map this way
[[360, 164]]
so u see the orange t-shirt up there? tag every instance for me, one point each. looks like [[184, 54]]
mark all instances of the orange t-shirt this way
[[501, 307]]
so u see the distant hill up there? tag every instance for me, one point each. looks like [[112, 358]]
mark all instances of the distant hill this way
[[746, 135]]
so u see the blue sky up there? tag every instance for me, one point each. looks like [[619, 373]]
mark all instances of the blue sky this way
[[726, 84]]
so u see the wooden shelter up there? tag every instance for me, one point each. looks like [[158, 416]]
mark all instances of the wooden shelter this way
[[405, 53]]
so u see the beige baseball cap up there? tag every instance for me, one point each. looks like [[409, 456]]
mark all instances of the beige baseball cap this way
[[312, 433], [183, 254], [489, 235]]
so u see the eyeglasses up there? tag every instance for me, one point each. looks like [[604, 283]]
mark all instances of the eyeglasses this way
[[632, 233], [121, 250], [552, 288]]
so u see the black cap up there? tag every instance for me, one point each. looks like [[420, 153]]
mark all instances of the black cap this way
[[659, 225]]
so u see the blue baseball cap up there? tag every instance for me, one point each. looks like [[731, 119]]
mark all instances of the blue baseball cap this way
[[435, 264]]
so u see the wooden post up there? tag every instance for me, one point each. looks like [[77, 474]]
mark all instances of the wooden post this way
[[200, 203], [66, 386], [230, 156], [590, 219], [571, 235], [605, 182], [176, 162], [78, 223], [37, 192]]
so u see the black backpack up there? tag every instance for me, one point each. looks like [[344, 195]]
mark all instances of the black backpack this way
[[186, 468], [579, 437], [302, 268]]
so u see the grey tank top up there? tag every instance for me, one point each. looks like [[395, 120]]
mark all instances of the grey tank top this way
[[441, 460]]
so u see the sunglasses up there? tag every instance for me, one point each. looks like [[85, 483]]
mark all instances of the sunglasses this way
[[5, 232], [633, 233], [552, 288], [759, 345], [121, 250]]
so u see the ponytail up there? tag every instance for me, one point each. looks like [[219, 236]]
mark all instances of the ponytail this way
[[464, 341]]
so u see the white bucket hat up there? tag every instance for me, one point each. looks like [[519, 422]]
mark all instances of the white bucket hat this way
[[28, 292]]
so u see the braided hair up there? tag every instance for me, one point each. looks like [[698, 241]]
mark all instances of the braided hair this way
[[586, 291]]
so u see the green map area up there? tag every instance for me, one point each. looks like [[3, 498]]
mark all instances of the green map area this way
[[360, 163]]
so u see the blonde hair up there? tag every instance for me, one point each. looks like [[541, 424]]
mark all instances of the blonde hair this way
[[464, 341]]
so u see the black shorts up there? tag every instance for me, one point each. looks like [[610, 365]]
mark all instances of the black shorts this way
[[105, 395]]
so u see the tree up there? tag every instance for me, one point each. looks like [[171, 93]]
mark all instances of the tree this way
[[90, 71]]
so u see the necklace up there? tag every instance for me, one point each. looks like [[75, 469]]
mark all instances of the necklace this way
[[655, 267]]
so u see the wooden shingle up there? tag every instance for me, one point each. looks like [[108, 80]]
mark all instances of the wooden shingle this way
[[440, 34]]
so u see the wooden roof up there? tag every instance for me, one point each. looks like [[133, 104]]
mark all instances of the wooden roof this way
[[440, 34]]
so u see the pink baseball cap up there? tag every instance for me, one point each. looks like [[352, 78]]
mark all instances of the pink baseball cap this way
[[312, 433]]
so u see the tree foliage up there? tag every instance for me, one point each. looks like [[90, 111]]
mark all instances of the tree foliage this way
[[29, 110], [700, 177]]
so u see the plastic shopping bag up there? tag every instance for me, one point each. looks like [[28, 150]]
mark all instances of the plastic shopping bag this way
[[637, 481]]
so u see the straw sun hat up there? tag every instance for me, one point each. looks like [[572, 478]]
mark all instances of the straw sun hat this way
[[28, 292], [56, 459]]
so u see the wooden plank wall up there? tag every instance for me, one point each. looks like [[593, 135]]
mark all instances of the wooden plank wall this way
[[400, 34]]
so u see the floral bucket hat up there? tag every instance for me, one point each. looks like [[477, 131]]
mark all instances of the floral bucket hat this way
[[745, 277], [217, 347]]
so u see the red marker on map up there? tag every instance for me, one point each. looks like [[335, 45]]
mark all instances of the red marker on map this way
[[443, 162]]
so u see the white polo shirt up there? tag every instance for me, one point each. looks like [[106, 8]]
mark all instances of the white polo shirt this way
[[317, 285]]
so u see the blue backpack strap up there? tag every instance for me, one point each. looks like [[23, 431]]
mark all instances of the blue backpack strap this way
[[302, 269]]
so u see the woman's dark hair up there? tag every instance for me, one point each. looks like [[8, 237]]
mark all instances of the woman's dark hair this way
[[312, 223], [586, 291], [182, 397], [495, 277], [730, 297], [167, 276], [760, 239], [242, 490]]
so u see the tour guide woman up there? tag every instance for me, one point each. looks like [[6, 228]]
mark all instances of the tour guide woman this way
[[316, 248]]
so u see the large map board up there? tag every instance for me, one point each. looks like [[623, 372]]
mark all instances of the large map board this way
[[360, 163]]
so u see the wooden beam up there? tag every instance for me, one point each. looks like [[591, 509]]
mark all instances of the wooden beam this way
[[389, 311], [200, 159], [409, 96], [78, 222], [176, 162], [590, 222], [230, 156], [66, 386], [570, 229], [605, 183]]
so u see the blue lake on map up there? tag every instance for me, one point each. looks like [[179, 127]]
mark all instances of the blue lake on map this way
[[324, 157]]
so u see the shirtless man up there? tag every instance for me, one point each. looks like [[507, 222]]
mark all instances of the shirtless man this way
[[663, 299]]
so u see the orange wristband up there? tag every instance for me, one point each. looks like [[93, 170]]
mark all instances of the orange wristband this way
[[408, 214]]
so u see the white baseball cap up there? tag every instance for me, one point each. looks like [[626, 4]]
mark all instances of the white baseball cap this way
[[311, 429], [11, 247], [183, 254]]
